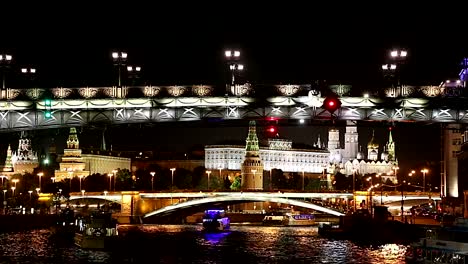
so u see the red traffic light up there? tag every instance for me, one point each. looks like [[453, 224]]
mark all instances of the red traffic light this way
[[272, 129], [331, 103]]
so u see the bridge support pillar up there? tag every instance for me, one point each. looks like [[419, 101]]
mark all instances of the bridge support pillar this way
[[128, 211]]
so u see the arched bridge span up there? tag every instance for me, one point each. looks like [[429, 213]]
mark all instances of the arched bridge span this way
[[238, 199]]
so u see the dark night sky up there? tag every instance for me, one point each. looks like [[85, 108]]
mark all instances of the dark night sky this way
[[278, 44]]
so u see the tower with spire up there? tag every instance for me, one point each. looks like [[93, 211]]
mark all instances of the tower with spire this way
[[390, 147], [24, 159], [351, 139], [72, 164], [373, 149], [252, 166], [8, 161]]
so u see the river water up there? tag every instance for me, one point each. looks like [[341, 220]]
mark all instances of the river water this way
[[188, 244]]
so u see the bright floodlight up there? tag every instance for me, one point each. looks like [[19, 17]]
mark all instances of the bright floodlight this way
[[301, 121], [129, 68], [392, 66], [458, 81], [403, 53], [228, 53], [8, 57], [240, 67], [236, 53], [385, 67], [24, 70], [447, 81], [124, 55], [33, 70], [394, 53], [138, 69], [232, 67], [115, 55], [366, 95]]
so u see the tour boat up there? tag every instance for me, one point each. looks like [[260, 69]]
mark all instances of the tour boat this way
[[289, 219], [215, 220], [65, 223], [99, 231], [448, 244]]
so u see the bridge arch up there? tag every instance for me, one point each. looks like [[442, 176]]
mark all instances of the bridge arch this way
[[240, 198], [115, 199]]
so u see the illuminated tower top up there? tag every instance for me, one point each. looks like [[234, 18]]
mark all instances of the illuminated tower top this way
[[251, 146], [73, 142], [8, 162], [391, 146]]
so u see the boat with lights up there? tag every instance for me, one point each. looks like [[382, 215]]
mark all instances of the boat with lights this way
[[216, 220], [289, 219], [447, 244]]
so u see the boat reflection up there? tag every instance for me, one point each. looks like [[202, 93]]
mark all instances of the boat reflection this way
[[215, 238]]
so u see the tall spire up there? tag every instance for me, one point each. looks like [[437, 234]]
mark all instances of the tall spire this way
[[73, 142], [8, 161], [391, 146], [319, 144], [251, 145]]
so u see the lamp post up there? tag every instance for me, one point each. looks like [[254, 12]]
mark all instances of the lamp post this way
[[110, 181], [82, 192], [398, 56], [114, 172], [15, 181], [133, 73], [13, 190], [172, 181], [354, 185], [30, 193], [254, 171], [232, 56], [5, 60], [152, 180], [303, 179], [3, 177], [208, 173], [81, 177], [40, 174], [119, 58], [271, 184], [220, 170], [4, 201], [29, 72], [424, 171], [379, 175]]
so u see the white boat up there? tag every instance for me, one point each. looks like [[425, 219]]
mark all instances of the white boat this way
[[445, 245], [216, 220], [289, 219]]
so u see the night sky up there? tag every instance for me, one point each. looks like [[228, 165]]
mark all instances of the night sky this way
[[186, 47]]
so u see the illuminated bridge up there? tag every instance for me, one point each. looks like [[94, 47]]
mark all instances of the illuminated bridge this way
[[25, 109], [188, 200]]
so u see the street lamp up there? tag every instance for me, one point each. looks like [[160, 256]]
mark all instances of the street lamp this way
[[82, 192], [220, 176], [208, 173], [119, 58], [152, 180], [4, 201], [15, 181], [254, 171], [271, 184], [81, 177], [52, 179], [303, 179], [13, 190], [30, 72], [110, 181], [3, 177], [379, 175], [354, 185], [172, 177], [232, 56], [30, 193], [172, 180], [114, 172], [5, 60], [133, 72], [40, 174], [424, 171]]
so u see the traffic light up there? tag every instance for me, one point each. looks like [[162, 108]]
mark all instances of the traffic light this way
[[331, 103]]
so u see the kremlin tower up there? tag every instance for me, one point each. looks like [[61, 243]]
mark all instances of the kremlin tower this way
[[252, 167]]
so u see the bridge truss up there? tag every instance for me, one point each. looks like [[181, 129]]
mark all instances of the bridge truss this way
[[66, 111]]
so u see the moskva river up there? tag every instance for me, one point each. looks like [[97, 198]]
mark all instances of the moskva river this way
[[188, 244]]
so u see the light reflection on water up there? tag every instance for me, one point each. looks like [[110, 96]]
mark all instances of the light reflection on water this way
[[188, 244]]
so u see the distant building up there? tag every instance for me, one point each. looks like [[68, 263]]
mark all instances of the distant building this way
[[252, 166], [72, 164], [24, 159]]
